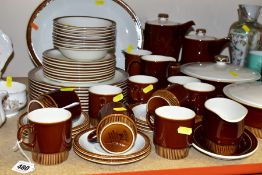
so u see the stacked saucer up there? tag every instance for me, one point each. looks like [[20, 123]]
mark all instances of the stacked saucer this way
[[58, 67], [94, 152], [139, 111], [83, 37]]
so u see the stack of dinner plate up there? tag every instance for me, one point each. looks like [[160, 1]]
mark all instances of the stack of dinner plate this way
[[94, 152], [39, 84], [60, 68]]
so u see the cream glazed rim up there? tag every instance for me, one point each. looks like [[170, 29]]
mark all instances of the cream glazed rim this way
[[247, 93], [219, 72]]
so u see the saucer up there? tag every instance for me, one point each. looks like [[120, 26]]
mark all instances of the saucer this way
[[112, 161], [247, 146], [95, 151]]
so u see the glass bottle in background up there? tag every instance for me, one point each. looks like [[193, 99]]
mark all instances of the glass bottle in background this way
[[245, 34]]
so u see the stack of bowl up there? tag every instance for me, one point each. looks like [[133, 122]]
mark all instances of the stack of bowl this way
[[84, 38]]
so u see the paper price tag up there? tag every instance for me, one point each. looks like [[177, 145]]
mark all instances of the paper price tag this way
[[130, 47], [245, 28], [184, 130], [233, 74], [9, 80], [100, 2], [119, 109], [118, 97], [23, 167], [67, 89], [148, 88]]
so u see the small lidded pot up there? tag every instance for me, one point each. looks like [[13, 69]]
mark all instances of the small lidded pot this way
[[200, 47], [164, 37]]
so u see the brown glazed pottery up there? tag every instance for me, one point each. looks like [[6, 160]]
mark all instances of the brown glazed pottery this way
[[202, 48], [198, 93], [99, 96], [223, 125], [173, 95], [157, 66], [116, 131], [115, 108], [60, 98], [49, 135], [164, 37], [173, 131], [249, 94], [133, 60], [140, 88]]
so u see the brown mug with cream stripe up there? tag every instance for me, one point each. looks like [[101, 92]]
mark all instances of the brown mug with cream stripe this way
[[140, 88], [49, 131], [116, 131], [100, 95], [59, 98], [173, 127]]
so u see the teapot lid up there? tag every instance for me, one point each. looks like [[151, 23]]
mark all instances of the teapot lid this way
[[219, 71], [162, 20], [200, 36], [248, 93]]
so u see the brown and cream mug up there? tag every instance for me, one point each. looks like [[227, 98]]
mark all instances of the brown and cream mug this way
[[198, 93], [140, 88], [116, 131], [223, 125], [99, 96], [49, 135], [173, 130], [173, 95], [59, 98], [133, 60]]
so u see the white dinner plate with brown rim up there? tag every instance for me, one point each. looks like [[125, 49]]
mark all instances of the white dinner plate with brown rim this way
[[112, 161], [37, 75], [40, 25]]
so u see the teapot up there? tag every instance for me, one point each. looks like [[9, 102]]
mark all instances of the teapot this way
[[202, 48], [164, 37]]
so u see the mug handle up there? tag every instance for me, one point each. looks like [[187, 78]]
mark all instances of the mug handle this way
[[92, 137], [149, 122], [20, 132]]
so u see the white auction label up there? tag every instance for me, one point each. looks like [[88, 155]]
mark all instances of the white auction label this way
[[23, 167]]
